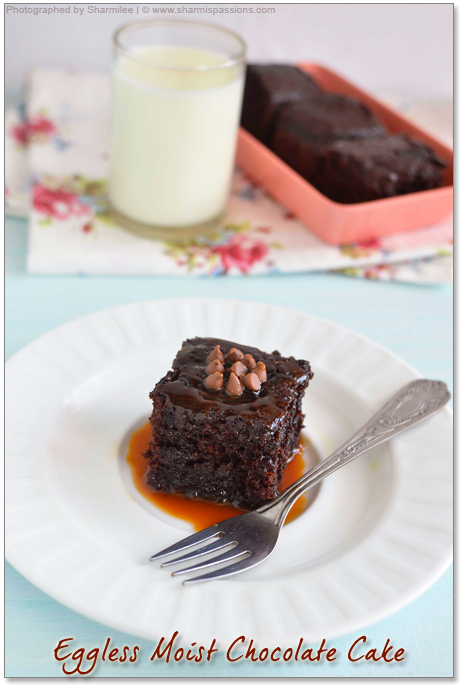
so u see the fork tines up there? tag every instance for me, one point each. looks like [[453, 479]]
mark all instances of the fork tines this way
[[201, 536], [207, 545]]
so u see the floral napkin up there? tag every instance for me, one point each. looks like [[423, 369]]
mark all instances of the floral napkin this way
[[56, 169]]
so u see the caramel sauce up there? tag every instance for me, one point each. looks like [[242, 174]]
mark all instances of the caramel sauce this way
[[198, 512]]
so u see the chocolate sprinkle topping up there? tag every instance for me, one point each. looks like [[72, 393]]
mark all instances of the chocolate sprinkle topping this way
[[214, 366], [260, 371], [234, 386], [251, 382], [216, 354], [235, 355], [215, 381], [239, 369], [249, 360]]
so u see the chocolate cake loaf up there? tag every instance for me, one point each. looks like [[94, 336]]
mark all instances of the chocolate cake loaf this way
[[369, 169], [267, 87], [303, 130], [225, 422]]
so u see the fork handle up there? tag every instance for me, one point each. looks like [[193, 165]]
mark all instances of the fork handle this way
[[413, 403]]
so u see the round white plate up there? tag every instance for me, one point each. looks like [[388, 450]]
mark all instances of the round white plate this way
[[377, 535]]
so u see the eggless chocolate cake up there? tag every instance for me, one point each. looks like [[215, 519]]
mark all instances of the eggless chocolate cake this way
[[226, 420]]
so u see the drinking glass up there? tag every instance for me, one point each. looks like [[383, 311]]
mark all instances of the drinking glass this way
[[177, 91]]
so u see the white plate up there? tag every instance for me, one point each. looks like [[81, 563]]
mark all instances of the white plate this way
[[378, 534]]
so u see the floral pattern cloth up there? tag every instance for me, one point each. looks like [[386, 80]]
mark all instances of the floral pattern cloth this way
[[57, 163]]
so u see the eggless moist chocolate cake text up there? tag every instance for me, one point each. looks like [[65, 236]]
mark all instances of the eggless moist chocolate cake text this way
[[81, 661]]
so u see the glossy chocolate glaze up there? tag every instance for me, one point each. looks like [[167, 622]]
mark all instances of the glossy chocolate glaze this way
[[183, 388]]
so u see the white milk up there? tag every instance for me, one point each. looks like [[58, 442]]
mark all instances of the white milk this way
[[173, 135]]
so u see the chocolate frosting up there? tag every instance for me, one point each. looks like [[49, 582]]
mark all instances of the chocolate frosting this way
[[183, 388]]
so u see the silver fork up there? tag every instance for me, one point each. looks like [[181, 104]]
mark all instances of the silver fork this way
[[251, 537]]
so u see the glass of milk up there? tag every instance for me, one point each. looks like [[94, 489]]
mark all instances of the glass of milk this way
[[177, 91]]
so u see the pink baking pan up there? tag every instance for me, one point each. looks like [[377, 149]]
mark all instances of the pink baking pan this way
[[338, 223]]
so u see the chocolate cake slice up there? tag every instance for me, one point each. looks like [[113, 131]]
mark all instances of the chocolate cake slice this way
[[364, 170], [225, 422], [303, 130], [267, 86]]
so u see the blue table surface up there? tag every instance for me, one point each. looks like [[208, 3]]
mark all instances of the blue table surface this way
[[415, 322]]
